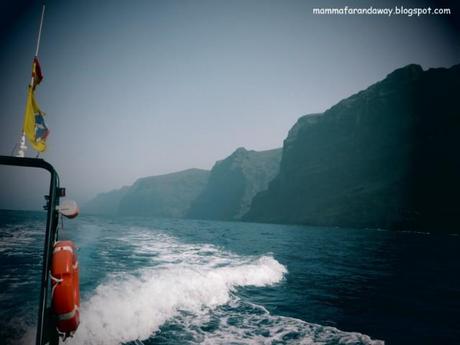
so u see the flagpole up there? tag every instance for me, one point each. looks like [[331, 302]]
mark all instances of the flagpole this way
[[22, 143], [37, 49], [40, 30]]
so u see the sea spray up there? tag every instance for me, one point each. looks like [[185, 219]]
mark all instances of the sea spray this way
[[143, 283], [135, 307]]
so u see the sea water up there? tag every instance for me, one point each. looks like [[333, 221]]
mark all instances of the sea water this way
[[165, 281]]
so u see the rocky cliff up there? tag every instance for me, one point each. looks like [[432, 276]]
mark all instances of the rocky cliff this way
[[105, 203], [385, 157], [233, 182], [167, 195]]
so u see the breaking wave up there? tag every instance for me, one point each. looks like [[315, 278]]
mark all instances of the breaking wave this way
[[183, 278], [192, 287], [182, 293]]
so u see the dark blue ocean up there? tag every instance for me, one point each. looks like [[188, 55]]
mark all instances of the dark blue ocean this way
[[164, 281]]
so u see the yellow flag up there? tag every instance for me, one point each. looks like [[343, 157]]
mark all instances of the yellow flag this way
[[34, 124]]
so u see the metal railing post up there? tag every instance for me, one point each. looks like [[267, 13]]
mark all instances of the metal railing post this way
[[50, 234]]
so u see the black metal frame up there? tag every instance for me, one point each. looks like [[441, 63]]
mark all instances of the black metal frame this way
[[52, 219]]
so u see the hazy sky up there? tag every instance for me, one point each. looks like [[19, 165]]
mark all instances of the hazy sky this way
[[139, 88]]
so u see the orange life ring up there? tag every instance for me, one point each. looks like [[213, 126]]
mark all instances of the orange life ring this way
[[65, 287]]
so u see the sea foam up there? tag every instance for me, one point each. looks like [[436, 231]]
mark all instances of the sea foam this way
[[182, 278], [188, 294]]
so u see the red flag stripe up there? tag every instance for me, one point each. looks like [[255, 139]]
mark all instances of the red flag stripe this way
[[37, 72]]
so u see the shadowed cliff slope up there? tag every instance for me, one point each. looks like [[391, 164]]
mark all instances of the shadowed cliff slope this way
[[105, 203], [233, 182], [384, 157], [167, 195]]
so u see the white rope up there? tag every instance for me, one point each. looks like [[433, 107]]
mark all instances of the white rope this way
[[57, 281]]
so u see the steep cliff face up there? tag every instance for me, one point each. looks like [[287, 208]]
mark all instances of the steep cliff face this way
[[385, 157], [105, 203], [233, 182], [167, 195]]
